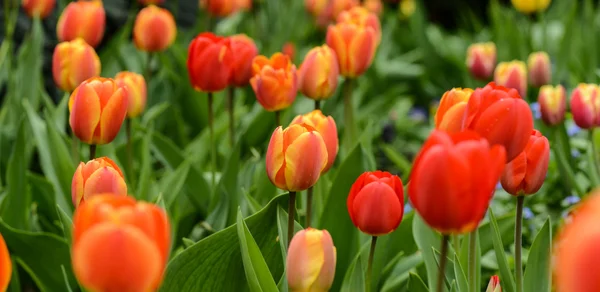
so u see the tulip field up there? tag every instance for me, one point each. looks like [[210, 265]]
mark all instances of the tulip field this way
[[301, 146]]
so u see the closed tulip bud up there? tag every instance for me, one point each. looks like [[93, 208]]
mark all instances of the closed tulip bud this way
[[244, 52], [219, 8], [74, 62], [328, 130], [154, 29], [136, 89], [451, 110], [525, 174], [374, 6], [38, 8], [120, 245], [97, 110], [315, 7], [311, 261], [210, 62], [289, 49], [481, 60], [499, 115], [539, 68], [494, 285], [336, 7], [151, 2], [275, 81], [82, 19], [376, 203], [319, 73], [6, 265], [296, 157], [512, 75], [585, 105], [95, 177], [453, 180], [530, 6], [553, 102]]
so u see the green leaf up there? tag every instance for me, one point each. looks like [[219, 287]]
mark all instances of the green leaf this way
[[506, 227], [508, 282], [415, 284], [400, 273], [282, 219], [152, 113], [460, 276], [143, 183], [15, 207], [354, 280], [257, 272], [172, 184], [15, 283], [67, 224], [426, 238], [66, 277], [538, 275], [464, 256], [42, 193], [228, 189]]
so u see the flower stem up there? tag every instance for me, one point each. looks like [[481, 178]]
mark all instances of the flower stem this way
[[309, 199], [278, 118], [472, 261], [291, 212], [211, 128], [594, 159], [518, 244], [129, 146], [230, 107], [92, 151], [317, 104], [370, 263], [443, 260], [348, 112]]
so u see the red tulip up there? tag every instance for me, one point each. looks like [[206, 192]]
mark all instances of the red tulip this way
[[5, 265], [540, 69], [38, 8], [585, 105], [244, 50], [525, 174], [210, 61], [481, 60]]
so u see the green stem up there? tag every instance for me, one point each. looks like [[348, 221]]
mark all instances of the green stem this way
[[291, 215], [370, 263], [309, 199], [128, 131], [213, 147], [563, 162], [230, 107], [348, 112], [92, 151], [317, 104], [518, 244], [443, 260], [593, 157], [472, 261], [277, 118]]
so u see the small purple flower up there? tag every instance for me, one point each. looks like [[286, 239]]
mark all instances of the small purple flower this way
[[572, 200], [535, 109], [575, 153], [407, 208], [573, 129], [527, 213], [499, 186], [418, 114]]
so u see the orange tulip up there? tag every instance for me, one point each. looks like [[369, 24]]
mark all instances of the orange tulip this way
[[315, 7], [289, 49], [136, 89], [539, 68], [120, 245], [374, 6], [95, 177], [336, 7], [585, 105], [311, 261], [72, 63], [154, 29], [481, 60], [82, 19], [576, 254], [319, 73], [525, 174], [151, 2], [244, 50], [296, 157], [220, 8], [275, 81], [512, 75], [362, 17], [450, 113], [97, 110], [38, 8], [328, 130], [494, 285], [210, 61], [453, 180], [5, 265], [501, 116], [553, 102]]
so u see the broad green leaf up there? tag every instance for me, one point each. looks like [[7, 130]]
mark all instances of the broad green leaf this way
[[42, 193], [354, 280], [538, 275], [228, 189], [172, 184], [460, 276], [257, 272], [415, 284], [426, 238], [16, 204], [67, 224], [400, 273], [282, 219], [508, 282], [506, 227], [464, 257], [143, 182]]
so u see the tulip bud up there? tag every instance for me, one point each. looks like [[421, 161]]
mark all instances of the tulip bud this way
[[38, 8], [328, 130], [136, 89], [494, 285], [525, 174], [453, 180], [82, 19], [540, 71], [319, 73], [499, 115], [209, 62], [151, 2], [512, 75], [245, 51], [6, 265], [74, 62], [376, 203], [120, 245], [530, 6], [553, 102], [95, 177], [585, 105], [296, 157], [481, 60], [219, 8], [451, 110], [154, 29], [336, 7], [315, 7], [275, 81], [362, 17], [310, 261], [97, 109], [289, 49]]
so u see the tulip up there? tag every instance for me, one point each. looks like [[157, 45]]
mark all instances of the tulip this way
[[336, 7], [362, 17], [95, 177], [316, 7], [136, 89], [319, 73], [376, 202], [289, 49], [525, 174], [243, 5], [576, 252], [553, 102], [296, 157], [97, 110], [6, 265], [530, 6], [74, 62], [244, 52], [328, 130], [311, 261], [154, 29], [585, 105], [209, 62], [501, 116], [481, 60], [38, 8], [453, 180], [120, 245], [151, 2], [539, 68], [494, 285], [84, 19], [512, 75], [450, 113], [275, 81], [374, 6], [219, 8]]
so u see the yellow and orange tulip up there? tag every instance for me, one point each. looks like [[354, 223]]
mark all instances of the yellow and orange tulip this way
[[328, 130], [311, 261], [154, 29], [275, 81], [512, 75], [585, 105], [451, 110], [553, 103], [74, 62], [481, 60], [98, 176], [82, 19], [136, 91], [318, 74]]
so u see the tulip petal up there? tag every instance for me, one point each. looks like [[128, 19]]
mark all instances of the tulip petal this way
[[113, 116], [305, 259], [105, 180], [377, 210], [302, 171], [85, 113], [5, 265], [538, 158], [514, 174], [275, 159], [77, 185]]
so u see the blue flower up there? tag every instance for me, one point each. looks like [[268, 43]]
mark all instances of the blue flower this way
[[407, 208], [498, 186], [575, 153], [418, 114], [535, 109], [527, 213], [572, 200], [573, 129]]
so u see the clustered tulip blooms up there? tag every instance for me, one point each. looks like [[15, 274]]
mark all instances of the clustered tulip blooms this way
[[135, 84], [450, 112], [154, 29], [74, 62], [82, 19], [38, 8], [223, 8], [5, 265], [98, 176], [310, 263], [525, 174], [585, 105], [553, 103]]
